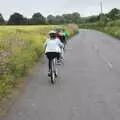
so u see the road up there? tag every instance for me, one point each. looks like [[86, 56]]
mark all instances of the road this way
[[88, 86]]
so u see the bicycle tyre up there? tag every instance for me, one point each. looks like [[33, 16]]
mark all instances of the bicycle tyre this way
[[53, 76]]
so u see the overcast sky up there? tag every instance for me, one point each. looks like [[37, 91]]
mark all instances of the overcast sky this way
[[45, 7]]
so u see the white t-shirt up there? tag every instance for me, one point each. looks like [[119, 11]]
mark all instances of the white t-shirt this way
[[53, 45]]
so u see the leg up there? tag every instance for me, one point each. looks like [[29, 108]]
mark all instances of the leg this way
[[49, 62], [62, 53], [58, 56]]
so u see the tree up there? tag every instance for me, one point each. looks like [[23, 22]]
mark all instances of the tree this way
[[72, 18], [76, 17], [94, 18], [26, 21], [51, 19], [58, 19], [38, 19], [16, 19], [2, 21], [114, 14], [68, 18]]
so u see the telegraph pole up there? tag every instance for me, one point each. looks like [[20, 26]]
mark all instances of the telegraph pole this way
[[101, 7]]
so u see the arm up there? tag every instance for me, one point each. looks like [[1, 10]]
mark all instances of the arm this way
[[60, 44], [45, 44], [67, 35]]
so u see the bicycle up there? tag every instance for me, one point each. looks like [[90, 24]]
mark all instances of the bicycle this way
[[53, 70]]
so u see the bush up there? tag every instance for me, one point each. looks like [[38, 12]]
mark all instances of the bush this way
[[112, 27]]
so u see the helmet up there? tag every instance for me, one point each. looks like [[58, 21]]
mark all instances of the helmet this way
[[52, 34]]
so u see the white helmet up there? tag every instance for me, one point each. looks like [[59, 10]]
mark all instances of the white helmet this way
[[52, 34]]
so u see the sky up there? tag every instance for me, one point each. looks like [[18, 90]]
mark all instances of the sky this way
[[54, 7]]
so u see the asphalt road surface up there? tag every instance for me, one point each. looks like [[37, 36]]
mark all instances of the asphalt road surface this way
[[88, 86]]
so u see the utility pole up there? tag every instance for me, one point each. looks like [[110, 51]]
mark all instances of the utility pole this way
[[101, 7]]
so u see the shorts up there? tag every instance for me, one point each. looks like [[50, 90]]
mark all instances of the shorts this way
[[52, 55]]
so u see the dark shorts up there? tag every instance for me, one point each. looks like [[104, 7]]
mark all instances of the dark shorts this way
[[52, 55]]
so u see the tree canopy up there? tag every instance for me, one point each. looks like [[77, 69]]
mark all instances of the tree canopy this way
[[38, 19]]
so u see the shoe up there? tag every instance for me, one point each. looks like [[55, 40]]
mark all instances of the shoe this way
[[49, 74], [56, 75], [58, 62], [62, 58]]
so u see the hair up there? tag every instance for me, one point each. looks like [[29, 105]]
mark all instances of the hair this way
[[52, 35]]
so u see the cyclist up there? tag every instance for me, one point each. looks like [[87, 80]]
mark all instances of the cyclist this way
[[62, 35], [52, 48], [65, 33]]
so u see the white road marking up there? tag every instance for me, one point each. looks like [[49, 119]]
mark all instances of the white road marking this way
[[95, 46], [109, 64], [106, 61], [104, 58]]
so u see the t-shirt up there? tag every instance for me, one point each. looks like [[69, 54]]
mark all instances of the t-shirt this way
[[65, 34], [53, 45]]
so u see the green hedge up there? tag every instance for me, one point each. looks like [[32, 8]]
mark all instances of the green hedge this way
[[111, 28]]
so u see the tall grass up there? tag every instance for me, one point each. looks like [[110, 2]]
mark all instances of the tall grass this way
[[20, 48]]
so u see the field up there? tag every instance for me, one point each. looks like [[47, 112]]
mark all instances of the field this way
[[21, 47]]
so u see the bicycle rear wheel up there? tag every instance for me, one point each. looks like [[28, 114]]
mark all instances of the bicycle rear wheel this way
[[53, 71]]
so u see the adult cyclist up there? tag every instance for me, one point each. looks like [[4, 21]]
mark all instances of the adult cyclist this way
[[65, 36], [52, 48], [61, 36], [65, 33]]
